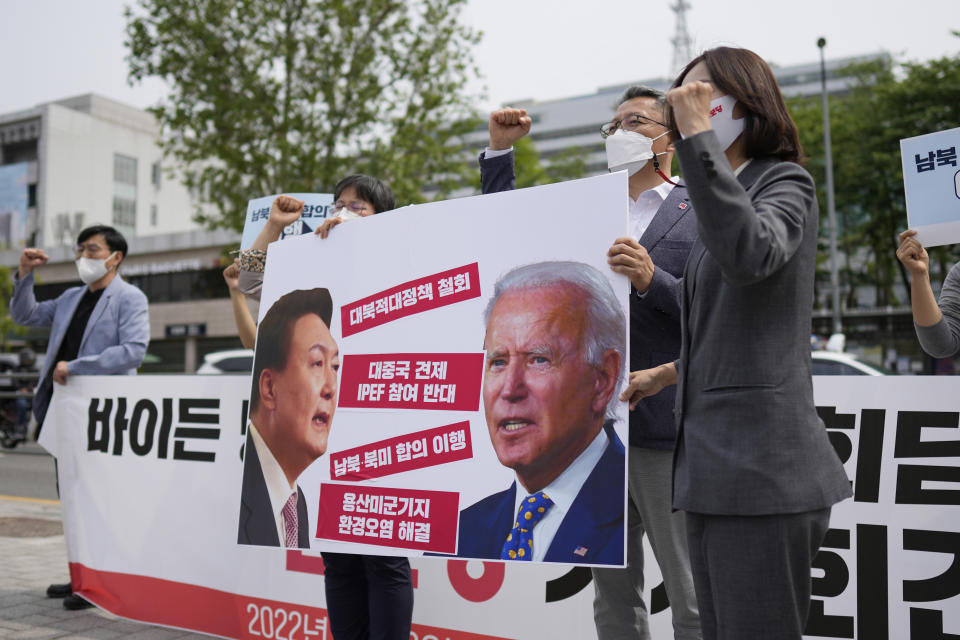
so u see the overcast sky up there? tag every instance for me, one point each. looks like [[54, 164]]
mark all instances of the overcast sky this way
[[540, 49]]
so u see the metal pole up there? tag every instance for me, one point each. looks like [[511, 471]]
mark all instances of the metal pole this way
[[831, 210]]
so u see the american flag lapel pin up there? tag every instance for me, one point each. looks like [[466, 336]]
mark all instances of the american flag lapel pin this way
[[581, 551]]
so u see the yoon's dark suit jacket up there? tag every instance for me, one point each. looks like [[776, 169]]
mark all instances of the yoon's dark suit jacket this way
[[655, 317], [750, 440], [257, 524], [594, 523]]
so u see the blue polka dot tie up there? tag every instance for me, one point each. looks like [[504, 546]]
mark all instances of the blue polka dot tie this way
[[519, 543]]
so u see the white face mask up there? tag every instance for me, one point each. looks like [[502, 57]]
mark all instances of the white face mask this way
[[345, 214], [629, 150], [91, 269], [721, 119]]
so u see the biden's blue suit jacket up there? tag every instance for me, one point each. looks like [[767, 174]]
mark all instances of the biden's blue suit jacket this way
[[591, 532]]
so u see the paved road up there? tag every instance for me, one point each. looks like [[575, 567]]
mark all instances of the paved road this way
[[34, 555], [27, 471]]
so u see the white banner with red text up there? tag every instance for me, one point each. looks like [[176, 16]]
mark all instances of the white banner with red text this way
[[148, 469]]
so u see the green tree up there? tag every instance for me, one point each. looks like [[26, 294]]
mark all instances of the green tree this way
[[569, 164], [8, 327], [866, 125], [290, 95]]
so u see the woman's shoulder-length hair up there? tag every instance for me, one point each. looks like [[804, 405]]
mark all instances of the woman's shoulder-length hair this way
[[769, 130]]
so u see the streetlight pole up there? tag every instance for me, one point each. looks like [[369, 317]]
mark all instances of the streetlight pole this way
[[831, 209]]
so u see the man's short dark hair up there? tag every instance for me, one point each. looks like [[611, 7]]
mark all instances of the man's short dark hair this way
[[375, 191], [114, 239], [276, 329], [643, 91]]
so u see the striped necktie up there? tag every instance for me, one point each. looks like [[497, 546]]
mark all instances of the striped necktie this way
[[290, 524]]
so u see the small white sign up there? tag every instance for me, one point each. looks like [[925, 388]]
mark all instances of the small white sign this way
[[931, 181], [317, 208]]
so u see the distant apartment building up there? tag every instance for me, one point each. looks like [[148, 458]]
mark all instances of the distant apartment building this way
[[72, 163], [92, 160], [565, 123]]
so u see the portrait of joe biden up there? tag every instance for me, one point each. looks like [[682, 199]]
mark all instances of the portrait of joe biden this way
[[555, 345]]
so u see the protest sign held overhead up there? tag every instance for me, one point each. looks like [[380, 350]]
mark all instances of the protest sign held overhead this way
[[931, 180], [422, 374], [317, 207]]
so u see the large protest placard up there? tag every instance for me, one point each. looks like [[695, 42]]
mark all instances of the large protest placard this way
[[931, 180], [317, 207], [148, 468], [413, 424]]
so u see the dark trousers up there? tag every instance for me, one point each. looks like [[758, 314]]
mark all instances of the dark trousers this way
[[752, 573], [368, 597]]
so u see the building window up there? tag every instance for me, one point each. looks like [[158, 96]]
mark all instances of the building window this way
[[124, 212], [153, 215], [67, 227], [155, 172], [125, 192], [179, 286], [124, 169]]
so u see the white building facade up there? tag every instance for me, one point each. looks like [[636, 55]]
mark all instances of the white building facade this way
[[91, 160]]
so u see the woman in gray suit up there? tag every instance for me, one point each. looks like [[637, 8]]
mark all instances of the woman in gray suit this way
[[753, 470]]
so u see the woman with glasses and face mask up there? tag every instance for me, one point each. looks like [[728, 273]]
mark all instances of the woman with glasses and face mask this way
[[754, 470], [368, 597], [356, 196]]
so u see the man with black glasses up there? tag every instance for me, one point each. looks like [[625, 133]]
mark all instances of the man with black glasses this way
[[99, 328]]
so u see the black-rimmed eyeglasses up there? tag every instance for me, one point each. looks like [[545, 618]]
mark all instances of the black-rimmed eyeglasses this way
[[630, 123]]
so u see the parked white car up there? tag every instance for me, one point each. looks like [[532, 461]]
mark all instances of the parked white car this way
[[229, 361], [832, 363]]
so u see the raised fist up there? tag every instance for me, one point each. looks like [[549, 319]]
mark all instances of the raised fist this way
[[285, 210], [507, 126], [31, 258]]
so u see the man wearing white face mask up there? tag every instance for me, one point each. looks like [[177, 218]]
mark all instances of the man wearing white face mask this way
[[663, 229], [99, 328]]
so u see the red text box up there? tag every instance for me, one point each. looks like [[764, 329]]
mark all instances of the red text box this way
[[409, 298], [410, 451], [443, 381], [404, 518]]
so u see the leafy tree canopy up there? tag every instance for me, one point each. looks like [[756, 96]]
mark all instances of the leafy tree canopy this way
[[268, 96], [531, 170], [886, 104]]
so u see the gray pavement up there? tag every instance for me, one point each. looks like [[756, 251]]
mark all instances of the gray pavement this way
[[27, 470], [33, 556]]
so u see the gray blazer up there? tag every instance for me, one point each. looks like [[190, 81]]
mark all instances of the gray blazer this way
[[750, 441], [114, 341]]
